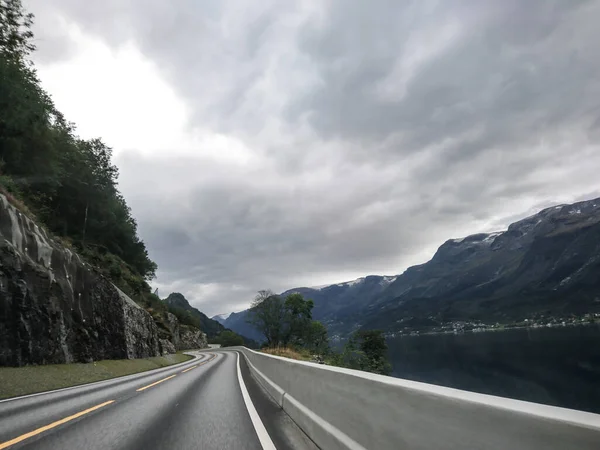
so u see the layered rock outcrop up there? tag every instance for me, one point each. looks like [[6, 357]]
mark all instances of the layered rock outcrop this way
[[55, 308], [191, 338], [181, 337]]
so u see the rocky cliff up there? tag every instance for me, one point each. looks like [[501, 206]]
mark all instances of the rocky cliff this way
[[55, 308], [182, 337], [191, 338]]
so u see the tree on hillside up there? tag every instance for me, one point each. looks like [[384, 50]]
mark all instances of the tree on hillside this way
[[15, 32], [184, 317], [70, 184], [267, 314]]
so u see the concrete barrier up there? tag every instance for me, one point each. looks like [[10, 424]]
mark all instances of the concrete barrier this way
[[349, 409]]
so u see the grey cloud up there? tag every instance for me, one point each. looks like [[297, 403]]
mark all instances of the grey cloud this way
[[381, 129], [507, 65]]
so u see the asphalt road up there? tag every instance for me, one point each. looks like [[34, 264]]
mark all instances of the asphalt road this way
[[205, 403]]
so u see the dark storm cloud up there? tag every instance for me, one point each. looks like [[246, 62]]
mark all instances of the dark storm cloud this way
[[378, 130]]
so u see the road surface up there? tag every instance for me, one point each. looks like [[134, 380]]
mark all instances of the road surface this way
[[210, 402]]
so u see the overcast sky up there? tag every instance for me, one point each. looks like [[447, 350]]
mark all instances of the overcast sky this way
[[275, 144]]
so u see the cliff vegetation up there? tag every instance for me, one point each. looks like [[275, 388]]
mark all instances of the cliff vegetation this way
[[62, 210]]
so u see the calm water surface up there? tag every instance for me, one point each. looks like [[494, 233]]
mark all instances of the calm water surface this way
[[556, 366]]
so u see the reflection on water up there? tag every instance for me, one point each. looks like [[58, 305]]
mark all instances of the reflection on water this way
[[555, 366]]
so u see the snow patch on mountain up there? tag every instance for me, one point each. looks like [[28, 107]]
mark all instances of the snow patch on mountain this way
[[222, 317], [353, 282], [492, 236], [482, 238], [386, 281]]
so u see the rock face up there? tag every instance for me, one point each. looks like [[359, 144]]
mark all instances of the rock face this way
[[180, 337], [55, 308], [191, 338], [166, 347], [172, 324]]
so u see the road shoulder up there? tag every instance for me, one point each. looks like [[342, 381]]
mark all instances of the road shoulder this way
[[283, 431]]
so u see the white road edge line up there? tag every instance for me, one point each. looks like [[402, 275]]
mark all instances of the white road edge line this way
[[259, 427]]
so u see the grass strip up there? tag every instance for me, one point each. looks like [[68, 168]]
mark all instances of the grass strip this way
[[16, 381], [286, 352]]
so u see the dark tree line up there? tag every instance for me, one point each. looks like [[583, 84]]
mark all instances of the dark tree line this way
[[68, 183]]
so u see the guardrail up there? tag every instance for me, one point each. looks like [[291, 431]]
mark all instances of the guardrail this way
[[349, 409]]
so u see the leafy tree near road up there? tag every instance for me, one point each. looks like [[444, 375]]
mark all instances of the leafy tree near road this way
[[297, 319], [228, 338], [267, 314], [317, 340], [366, 350], [288, 322], [282, 321]]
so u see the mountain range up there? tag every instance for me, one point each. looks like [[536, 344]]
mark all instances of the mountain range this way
[[546, 265]]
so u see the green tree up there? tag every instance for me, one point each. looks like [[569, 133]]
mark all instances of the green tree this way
[[365, 350], [228, 338], [282, 321], [69, 183], [267, 314], [184, 317], [15, 32], [296, 320], [317, 340], [374, 351]]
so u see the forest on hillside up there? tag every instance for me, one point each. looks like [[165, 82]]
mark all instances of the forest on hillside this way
[[66, 183], [69, 184]]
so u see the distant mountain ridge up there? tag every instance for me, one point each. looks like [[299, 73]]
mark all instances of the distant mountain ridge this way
[[221, 318], [546, 264], [211, 327]]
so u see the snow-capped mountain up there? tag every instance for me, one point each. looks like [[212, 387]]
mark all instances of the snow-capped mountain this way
[[385, 280], [221, 318], [547, 262], [333, 302]]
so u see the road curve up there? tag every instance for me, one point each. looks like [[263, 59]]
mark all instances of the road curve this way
[[199, 404]]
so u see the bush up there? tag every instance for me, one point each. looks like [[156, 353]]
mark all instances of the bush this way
[[228, 338], [365, 350]]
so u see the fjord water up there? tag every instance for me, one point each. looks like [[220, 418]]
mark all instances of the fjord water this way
[[557, 366]]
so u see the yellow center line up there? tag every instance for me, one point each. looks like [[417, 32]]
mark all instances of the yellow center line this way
[[201, 364], [52, 425], [193, 367], [153, 384]]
